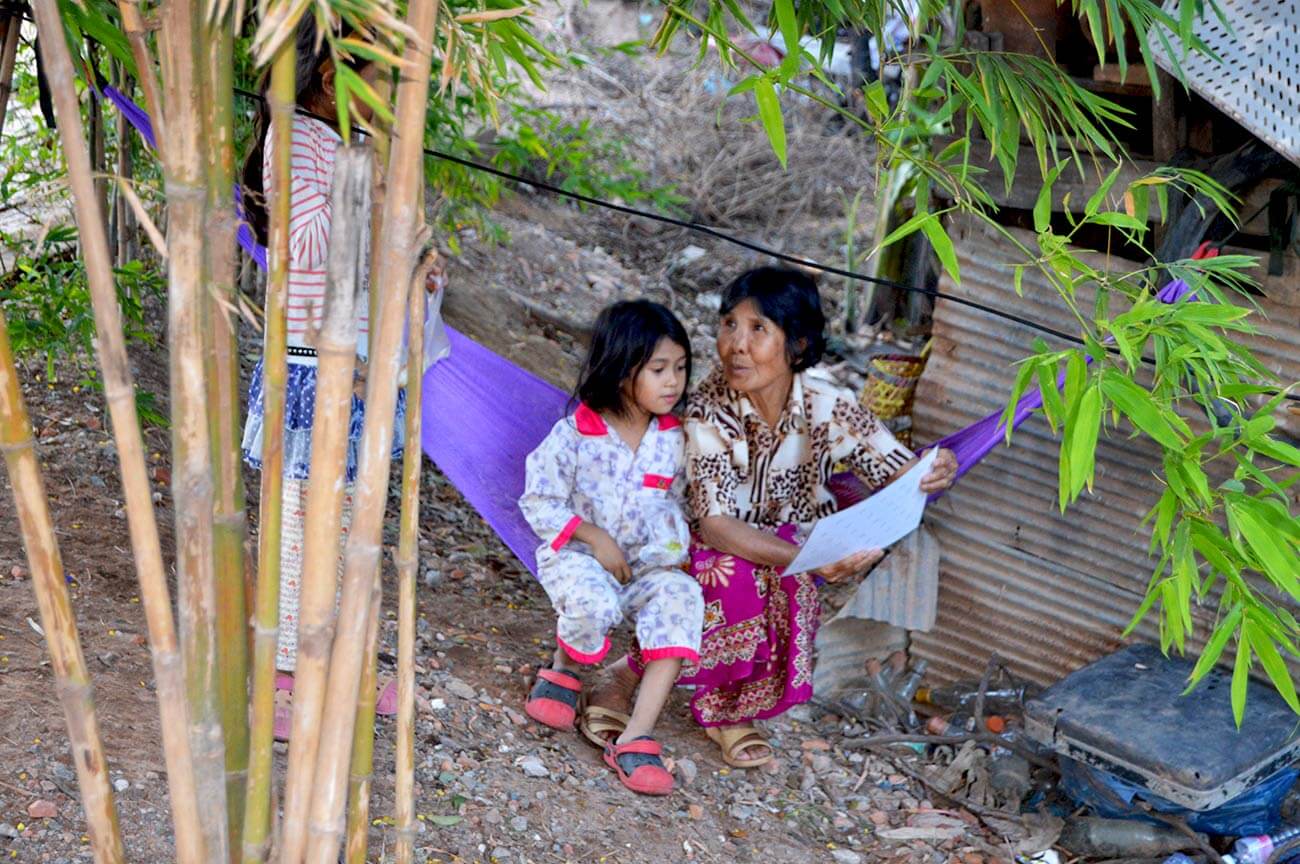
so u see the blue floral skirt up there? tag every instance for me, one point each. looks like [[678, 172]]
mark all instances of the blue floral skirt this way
[[299, 412]]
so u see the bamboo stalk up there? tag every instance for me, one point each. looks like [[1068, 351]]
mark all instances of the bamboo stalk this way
[[257, 814], [120, 395], [8, 53], [125, 220], [336, 347], [73, 681], [395, 266], [361, 771], [222, 358], [137, 37], [408, 556], [98, 146], [184, 167]]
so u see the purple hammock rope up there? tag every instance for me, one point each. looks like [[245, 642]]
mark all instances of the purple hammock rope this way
[[481, 445]]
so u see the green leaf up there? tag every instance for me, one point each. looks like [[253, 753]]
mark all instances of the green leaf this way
[[1273, 664], [789, 24], [1083, 441], [1017, 390], [942, 244], [1118, 220], [445, 821], [1043, 205], [769, 111], [1094, 201], [1281, 565], [1223, 631], [1139, 407], [1240, 677]]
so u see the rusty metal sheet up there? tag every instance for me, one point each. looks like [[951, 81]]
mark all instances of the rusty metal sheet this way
[[1047, 591]]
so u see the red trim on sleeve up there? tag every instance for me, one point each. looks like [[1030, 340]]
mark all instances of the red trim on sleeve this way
[[657, 481], [580, 656], [566, 533], [649, 655]]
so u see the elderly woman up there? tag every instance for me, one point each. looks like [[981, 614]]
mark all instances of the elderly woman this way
[[763, 437]]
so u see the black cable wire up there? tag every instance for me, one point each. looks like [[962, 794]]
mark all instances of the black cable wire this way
[[748, 244]]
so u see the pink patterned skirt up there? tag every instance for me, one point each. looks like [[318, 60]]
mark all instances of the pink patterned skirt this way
[[756, 657]]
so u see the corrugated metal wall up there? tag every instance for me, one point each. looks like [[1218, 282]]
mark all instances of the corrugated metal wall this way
[[1048, 592]]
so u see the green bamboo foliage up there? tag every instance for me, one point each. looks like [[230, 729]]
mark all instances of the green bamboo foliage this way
[[56, 613], [120, 393], [257, 815], [362, 556]]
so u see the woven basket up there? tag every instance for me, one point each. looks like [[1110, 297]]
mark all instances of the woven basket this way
[[890, 390]]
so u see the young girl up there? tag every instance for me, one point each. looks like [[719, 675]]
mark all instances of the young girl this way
[[604, 494], [312, 166]]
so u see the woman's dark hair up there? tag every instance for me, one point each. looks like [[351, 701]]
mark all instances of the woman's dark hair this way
[[309, 86], [624, 340], [789, 299]]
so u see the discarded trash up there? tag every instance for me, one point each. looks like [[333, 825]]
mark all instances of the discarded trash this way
[[1121, 838], [960, 723], [1260, 849], [964, 695], [1009, 777], [1048, 856], [1258, 810], [1137, 723]]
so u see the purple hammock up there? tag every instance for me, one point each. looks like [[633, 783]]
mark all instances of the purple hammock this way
[[482, 444]]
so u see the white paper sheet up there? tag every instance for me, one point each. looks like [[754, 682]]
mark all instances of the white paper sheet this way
[[882, 520]]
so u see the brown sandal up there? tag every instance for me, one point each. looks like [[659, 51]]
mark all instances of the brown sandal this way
[[734, 740], [602, 725]]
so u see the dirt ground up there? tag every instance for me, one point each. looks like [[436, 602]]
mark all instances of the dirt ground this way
[[491, 786]]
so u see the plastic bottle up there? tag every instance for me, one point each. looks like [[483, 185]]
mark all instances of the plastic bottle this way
[[963, 695], [962, 723], [912, 681], [1257, 850], [1092, 836]]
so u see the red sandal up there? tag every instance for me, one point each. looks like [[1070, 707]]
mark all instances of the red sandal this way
[[554, 698], [648, 775]]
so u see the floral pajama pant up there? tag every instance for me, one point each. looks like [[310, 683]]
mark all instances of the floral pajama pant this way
[[666, 604]]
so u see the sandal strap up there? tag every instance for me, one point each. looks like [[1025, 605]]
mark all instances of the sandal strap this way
[[644, 746], [566, 680]]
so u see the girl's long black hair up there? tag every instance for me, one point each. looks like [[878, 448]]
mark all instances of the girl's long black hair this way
[[625, 337], [309, 84]]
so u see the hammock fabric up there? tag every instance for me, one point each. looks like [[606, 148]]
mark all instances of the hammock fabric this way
[[483, 415]]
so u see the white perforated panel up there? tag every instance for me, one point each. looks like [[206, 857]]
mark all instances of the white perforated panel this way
[[1256, 80]]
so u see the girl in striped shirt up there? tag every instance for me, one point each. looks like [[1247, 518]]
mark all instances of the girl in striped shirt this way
[[314, 145]]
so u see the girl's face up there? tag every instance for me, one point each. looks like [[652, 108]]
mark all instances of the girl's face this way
[[328, 102], [752, 349], [659, 385]]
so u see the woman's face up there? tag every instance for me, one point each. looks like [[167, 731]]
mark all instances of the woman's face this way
[[752, 349]]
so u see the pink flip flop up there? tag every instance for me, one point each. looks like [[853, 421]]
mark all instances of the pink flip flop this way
[[386, 703]]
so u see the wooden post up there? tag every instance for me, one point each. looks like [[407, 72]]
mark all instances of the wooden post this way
[[395, 267], [120, 393]]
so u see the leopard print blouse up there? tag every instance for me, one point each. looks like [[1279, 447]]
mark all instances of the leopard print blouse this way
[[738, 466]]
